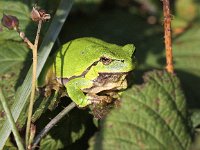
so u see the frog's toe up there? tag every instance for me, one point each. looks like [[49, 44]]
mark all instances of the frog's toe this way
[[84, 103]]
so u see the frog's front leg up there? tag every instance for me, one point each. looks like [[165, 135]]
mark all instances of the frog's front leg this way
[[74, 90]]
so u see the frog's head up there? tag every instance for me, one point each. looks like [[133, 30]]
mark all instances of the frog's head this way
[[118, 60], [109, 73]]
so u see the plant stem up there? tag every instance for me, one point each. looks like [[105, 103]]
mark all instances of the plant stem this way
[[52, 123], [11, 121], [30, 109], [167, 36], [26, 40], [38, 34]]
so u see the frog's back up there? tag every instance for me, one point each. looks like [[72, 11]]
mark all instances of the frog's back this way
[[76, 56]]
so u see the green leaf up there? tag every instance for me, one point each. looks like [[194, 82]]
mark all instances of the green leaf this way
[[22, 12], [195, 117], [12, 54], [185, 7], [186, 61], [186, 57], [9, 145], [42, 104], [70, 129], [49, 143], [13, 51], [23, 92], [152, 116], [8, 82]]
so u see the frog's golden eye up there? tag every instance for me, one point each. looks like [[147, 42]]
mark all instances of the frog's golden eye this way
[[105, 61]]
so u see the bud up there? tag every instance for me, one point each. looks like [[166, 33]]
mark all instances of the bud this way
[[33, 130], [38, 15], [10, 22]]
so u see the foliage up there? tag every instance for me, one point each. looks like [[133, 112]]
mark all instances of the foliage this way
[[65, 133], [145, 106], [10, 41], [23, 91], [151, 116]]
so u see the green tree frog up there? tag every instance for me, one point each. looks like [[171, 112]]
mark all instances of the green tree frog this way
[[92, 71]]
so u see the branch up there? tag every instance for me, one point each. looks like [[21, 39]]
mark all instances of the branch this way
[[25, 39], [30, 109], [52, 123], [167, 36]]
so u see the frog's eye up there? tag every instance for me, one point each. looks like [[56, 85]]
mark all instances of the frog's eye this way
[[105, 61]]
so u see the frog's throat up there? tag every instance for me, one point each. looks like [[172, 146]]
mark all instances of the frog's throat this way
[[108, 82]]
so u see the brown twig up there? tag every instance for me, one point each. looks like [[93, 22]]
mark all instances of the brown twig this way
[[34, 48], [30, 109], [167, 36], [24, 38]]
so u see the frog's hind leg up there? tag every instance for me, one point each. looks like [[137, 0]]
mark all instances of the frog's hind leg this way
[[74, 91]]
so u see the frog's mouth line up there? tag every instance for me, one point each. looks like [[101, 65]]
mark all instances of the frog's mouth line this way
[[104, 60], [64, 81], [103, 77]]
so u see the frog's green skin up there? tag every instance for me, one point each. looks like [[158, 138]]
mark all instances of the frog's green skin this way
[[83, 66]]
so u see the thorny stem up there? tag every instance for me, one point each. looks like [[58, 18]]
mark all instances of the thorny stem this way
[[52, 123], [167, 36], [30, 109]]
